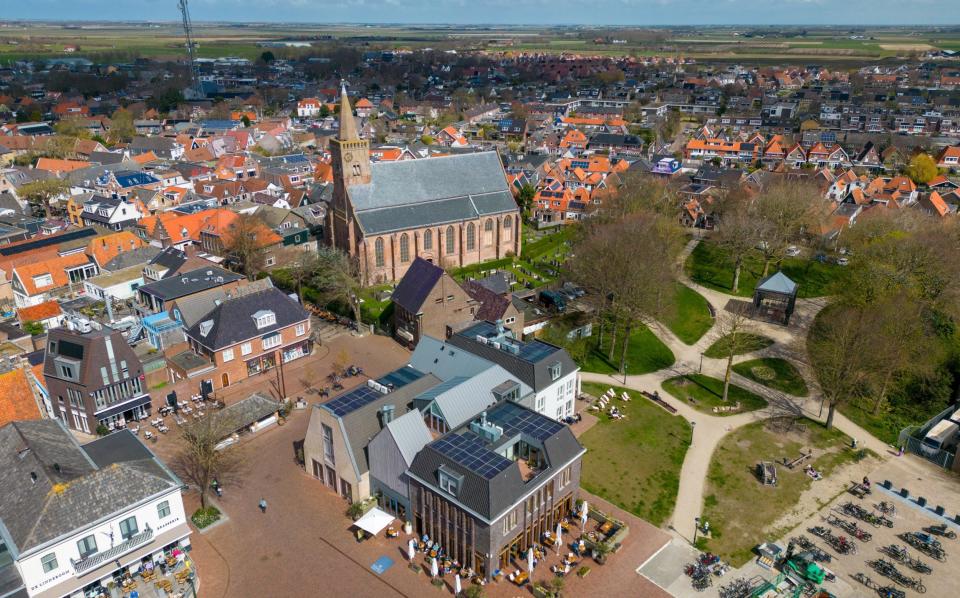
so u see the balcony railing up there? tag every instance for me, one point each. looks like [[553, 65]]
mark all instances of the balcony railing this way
[[95, 560]]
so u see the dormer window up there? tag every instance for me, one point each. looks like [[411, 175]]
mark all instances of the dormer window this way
[[205, 327], [450, 481], [264, 318], [555, 371]]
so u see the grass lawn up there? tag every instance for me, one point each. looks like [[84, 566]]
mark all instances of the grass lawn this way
[[708, 265], [645, 353], [886, 425], [778, 374], [693, 318], [739, 508], [708, 393], [751, 343], [635, 463]]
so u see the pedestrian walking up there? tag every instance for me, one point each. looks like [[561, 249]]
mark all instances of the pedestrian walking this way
[[263, 505]]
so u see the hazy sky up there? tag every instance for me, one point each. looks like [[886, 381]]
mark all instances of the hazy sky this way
[[586, 12]]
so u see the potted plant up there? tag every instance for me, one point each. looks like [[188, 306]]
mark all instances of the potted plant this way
[[600, 552], [355, 510]]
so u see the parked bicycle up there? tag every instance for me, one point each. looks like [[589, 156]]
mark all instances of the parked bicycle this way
[[738, 588], [941, 530], [849, 527], [865, 580], [887, 508], [891, 592], [926, 544], [816, 553], [896, 552]]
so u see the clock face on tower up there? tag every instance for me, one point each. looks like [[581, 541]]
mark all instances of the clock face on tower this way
[[348, 157]]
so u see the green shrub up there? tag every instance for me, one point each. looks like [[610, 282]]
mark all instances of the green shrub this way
[[204, 517]]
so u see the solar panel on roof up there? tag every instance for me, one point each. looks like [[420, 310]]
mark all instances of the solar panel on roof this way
[[535, 351], [517, 420], [472, 454], [353, 400], [401, 377]]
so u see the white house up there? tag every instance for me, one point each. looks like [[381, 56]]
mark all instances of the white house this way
[[76, 518], [120, 285], [110, 212], [308, 107]]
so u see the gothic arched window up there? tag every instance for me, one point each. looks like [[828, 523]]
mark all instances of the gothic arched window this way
[[378, 251], [450, 240], [428, 239], [488, 232], [471, 236], [404, 248]]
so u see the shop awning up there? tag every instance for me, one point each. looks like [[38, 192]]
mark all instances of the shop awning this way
[[125, 406], [374, 521]]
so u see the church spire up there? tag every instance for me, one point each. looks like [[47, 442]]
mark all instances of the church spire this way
[[348, 127]]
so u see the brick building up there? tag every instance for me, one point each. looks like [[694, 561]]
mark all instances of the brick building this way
[[452, 211], [244, 336]]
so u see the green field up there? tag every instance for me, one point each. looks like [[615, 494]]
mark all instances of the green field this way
[[635, 462], [164, 40], [732, 483], [710, 266], [645, 353], [704, 393], [692, 319], [775, 373]]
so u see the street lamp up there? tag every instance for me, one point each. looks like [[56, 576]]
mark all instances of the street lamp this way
[[696, 527], [701, 363], [624, 373]]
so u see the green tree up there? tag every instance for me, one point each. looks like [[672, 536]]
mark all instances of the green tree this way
[[244, 245], [121, 126], [324, 111], [41, 193], [525, 197], [33, 328], [245, 120], [922, 169], [267, 57]]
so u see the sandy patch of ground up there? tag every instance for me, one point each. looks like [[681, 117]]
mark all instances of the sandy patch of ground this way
[[909, 47]]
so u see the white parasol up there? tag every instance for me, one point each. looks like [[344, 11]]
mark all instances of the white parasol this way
[[456, 585], [411, 549], [434, 568]]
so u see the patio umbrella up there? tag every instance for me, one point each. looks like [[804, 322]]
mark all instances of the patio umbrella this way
[[456, 585], [559, 532], [411, 549], [530, 560], [434, 568], [583, 514]]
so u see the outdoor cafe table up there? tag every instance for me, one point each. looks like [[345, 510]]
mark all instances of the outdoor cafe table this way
[[606, 527], [521, 578]]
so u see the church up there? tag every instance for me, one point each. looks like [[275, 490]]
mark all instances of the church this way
[[452, 211]]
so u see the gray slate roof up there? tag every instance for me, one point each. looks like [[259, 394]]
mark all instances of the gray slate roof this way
[[415, 193], [491, 498], [233, 319], [531, 366], [416, 284], [74, 488], [136, 257], [190, 282], [460, 399]]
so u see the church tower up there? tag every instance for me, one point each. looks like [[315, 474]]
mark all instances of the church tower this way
[[351, 155], [351, 166]]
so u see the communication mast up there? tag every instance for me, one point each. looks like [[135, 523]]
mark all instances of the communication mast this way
[[195, 91]]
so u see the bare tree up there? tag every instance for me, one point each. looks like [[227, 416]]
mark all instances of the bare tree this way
[[737, 235], [839, 345], [733, 334], [784, 212], [337, 278], [198, 462], [631, 262], [245, 242]]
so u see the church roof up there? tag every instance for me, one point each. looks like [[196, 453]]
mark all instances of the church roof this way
[[415, 193], [348, 126]]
